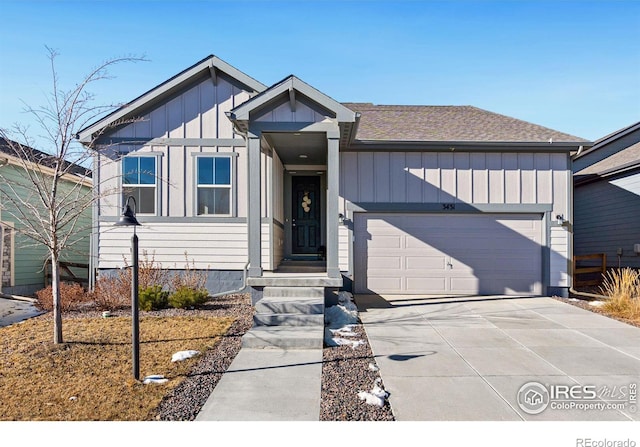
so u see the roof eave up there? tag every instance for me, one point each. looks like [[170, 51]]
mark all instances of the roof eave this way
[[609, 138], [630, 167], [470, 146]]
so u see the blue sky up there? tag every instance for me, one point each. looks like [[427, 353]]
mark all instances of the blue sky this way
[[573, 66]]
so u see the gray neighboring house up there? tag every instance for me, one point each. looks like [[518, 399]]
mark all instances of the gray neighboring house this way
[[305, 190], [607, 198]]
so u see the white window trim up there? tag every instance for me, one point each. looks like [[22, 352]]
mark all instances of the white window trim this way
[[158, 203], [232, 183]]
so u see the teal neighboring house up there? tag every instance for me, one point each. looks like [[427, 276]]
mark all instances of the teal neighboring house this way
[[23, 261]]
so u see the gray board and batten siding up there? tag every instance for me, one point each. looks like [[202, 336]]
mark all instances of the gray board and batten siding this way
[[607, 216], [460, 188], [607, 198], [480, 167]]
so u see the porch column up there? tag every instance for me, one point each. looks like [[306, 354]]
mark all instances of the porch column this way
[[253, 212], [333, 184]]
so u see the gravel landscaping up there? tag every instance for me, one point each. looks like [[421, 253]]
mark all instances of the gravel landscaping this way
[[346, 371]]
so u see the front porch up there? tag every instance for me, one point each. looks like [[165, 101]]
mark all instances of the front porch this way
[[293, 134]]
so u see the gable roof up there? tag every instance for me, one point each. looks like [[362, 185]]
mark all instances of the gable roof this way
[[449, 124], [210, 66], [289, 86], [292, 89]]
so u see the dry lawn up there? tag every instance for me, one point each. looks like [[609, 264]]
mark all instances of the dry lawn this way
[[89, 377]]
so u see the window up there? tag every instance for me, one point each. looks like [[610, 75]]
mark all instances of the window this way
[[139, 181], [213, 186]]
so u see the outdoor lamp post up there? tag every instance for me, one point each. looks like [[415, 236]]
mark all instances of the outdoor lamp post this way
[[128, 218]]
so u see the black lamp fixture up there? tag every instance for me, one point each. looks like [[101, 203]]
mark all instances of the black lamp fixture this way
[[128, 218]]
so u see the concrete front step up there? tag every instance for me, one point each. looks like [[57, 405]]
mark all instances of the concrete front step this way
[[286, 292], [294, 280], [284, 337], [290, 305], [271, 319]]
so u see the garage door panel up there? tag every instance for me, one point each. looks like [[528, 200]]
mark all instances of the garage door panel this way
[[384, 283], [425, 283], [381, 262], [382, 241], [431, 253], [465, 285], [425, 262]]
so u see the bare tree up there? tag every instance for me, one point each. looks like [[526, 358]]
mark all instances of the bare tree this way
[[51, 196]]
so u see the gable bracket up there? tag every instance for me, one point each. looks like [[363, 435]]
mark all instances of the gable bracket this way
[[292, 99], [214, 74]]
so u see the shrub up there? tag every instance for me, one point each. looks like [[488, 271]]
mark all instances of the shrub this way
[[153, 298], [622, 286], [150, 272], [113, 291], [185, 297], [72, 297], [190, 278]]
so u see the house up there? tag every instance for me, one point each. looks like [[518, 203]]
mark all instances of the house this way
[[607, 198], [23, 260], [378, 199]]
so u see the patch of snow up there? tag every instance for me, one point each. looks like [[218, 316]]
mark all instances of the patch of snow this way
[[158, 379], [345, 299], [339, 316], [596, 303], [376, 396], [574, 299], [373, 367], [339, 321], [344, 331], [183, 355]]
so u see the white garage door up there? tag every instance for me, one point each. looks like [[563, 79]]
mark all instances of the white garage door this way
[[447, 253]]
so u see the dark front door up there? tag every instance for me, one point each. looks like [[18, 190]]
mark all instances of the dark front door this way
[[305, 215]]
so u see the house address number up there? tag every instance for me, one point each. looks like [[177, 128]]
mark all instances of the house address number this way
[[448, 206]]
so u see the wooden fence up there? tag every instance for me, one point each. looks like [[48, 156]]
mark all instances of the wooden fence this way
[[69, 272], [588, 269]]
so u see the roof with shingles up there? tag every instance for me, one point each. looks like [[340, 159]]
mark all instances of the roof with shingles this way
[[448, 123], [625, 159], [18, 150]]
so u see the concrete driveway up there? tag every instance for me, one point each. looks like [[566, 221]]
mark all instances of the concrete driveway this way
[[502, 358], [14, 311]]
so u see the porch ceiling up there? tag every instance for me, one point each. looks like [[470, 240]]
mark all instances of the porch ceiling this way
[[291, 145]]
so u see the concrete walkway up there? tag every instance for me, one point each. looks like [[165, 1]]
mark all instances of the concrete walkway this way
[[14, 310], [468, 359], [268, 385]]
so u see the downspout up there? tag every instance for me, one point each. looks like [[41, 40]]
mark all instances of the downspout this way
[[241, 289], [246, 266]]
